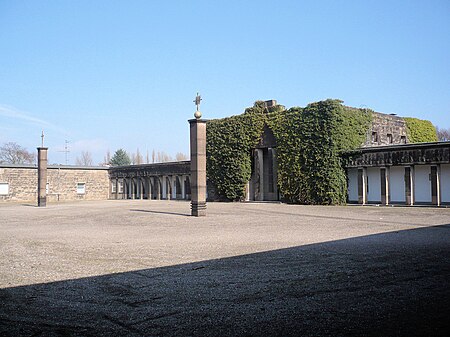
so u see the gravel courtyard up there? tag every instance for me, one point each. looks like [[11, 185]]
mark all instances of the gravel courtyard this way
[[146, 268]]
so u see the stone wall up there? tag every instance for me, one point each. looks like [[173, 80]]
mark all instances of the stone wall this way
[[386, 130], [62, 183], [22, 183]]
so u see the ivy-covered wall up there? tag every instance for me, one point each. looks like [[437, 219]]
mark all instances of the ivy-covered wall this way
[[420, 131], [310, 142]]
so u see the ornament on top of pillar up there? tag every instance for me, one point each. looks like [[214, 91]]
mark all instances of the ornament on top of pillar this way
[[197, 101]]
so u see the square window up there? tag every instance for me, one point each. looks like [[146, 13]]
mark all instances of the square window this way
[[389, 138], [4, 188], [81, 188], [374, 137]]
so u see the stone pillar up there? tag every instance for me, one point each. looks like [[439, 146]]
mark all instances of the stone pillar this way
[[198, 165], [384, 178], [362, 188], [42, 176], [157, 188], [259, 175], [183, 187], [435, 186], [275, 173], [174, 187], [409, 185]]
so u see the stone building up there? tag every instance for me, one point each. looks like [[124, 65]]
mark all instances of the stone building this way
[[411, 174], [384, 130], [64, 183], [151, 181], [385, 170]]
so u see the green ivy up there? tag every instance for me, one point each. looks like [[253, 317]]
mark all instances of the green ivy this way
[[228, 147], [309, 144], [310, 141], [420, 131]]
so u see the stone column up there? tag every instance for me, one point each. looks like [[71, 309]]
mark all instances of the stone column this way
[[157, 188], [183, 187], [259, 175], [42, 176], [198, 165], [409, 185], [384, 178], [362, 188], [435, 188]]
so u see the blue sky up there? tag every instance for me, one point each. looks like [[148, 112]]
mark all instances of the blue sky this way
[[123, 74]]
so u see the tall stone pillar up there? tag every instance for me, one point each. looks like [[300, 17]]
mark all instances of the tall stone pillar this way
[[384, 178], [198, 165], [435, 185], [42, 176], [259, 174], [409, 185], [362, 186]]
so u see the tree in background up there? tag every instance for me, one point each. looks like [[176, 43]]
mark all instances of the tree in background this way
[[85, 159], [12, 153], [443, 134], [120, 158], [180, 156]]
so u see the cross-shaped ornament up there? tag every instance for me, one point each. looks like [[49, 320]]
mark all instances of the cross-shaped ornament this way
[[197, 100]]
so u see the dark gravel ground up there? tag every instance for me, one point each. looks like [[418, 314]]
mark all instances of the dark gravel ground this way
[[245, 270]]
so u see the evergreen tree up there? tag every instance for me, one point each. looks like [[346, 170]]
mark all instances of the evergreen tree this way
[[120, 158]]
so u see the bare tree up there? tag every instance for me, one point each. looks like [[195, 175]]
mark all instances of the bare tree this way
[[139, 159], [443, 134], [162, 157], [85, 159], [180, 156], [12, 153], [153, 156], [107, 158]]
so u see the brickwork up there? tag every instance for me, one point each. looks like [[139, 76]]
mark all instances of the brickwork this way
[[62, 183], [22, 183], [386, 130]]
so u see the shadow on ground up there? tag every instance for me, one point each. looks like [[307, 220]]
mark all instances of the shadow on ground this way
[[391, 284]]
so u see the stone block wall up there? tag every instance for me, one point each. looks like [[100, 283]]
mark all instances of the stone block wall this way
[[22, 183], [386, 130], [62, 183]]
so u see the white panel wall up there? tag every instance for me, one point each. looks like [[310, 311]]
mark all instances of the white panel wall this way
[[374, 184], [397, 184], [445, 183], [353, 185], [422, 183]]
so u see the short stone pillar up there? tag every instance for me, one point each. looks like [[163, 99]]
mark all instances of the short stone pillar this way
[[198, 165], [42, 176]]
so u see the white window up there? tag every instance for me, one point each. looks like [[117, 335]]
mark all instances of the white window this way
[[81, 188], [113, 187], [47, 188], [121, 186], [4, 188]]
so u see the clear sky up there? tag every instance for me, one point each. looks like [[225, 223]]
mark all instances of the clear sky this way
[[123, 74]]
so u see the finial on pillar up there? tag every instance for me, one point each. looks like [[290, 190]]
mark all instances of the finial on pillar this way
[[197, 101], [42, 139]]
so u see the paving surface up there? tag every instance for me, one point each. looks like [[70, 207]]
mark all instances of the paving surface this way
[[146, 268]]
